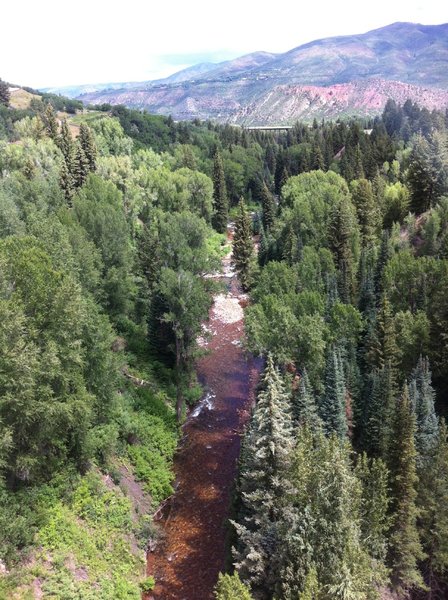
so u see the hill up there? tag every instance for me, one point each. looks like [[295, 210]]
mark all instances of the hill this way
[[347, 75]]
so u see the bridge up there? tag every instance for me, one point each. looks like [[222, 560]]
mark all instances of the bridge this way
[[267, 127]]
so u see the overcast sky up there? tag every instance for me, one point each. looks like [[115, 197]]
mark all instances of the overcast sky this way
[[53, 43]]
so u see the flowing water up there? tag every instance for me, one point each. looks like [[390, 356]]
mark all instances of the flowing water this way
[[192, 552]]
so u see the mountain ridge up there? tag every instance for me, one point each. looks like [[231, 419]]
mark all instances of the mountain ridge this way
[[401, 53]]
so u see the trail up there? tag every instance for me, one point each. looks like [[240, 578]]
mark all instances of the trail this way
[[192, 553]]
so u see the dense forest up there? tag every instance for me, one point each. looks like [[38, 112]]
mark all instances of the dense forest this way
[[109, 219]]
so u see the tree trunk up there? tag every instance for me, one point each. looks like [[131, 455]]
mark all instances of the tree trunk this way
[[179, 368]]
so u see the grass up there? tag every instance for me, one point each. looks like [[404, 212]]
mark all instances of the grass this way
[[20, 99]]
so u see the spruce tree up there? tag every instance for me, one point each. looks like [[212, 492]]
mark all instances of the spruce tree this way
[[263, 485], [424, 176], [377, 421], [51, 124], [88, 145], [268, 206], [220, 201], [375, 521], [67, 184], [80, 167], [243, 248], [341, 231], [304, 408], [422, 397], [317, 158], [67, 146], [404, 545], [332, 408], [5, 95], [433, 517], [366, 208]]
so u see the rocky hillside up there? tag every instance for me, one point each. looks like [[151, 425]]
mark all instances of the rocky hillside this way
[[325, 78]]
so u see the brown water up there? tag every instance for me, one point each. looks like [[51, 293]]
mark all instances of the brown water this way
[[193, 551]]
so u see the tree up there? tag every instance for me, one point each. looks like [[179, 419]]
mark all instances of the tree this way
[[268, 206], [51, 125], [332, 403], [230, 587], [433, 517], [422, 398], [220, 200], [5, 95], [243, 248], [425, 175], [263, 484], [366, 208], [80, 167], [304, 408], [405, 549], [343, 237], [187, 305], [87, 143]]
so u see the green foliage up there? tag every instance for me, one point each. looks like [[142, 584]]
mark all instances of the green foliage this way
[[243, 248], [148, 584], [220, 200], [230, 587]]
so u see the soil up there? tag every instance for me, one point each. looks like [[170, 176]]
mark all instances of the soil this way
[[193, 549]]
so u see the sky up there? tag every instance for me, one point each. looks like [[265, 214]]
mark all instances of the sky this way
[[47, 43]]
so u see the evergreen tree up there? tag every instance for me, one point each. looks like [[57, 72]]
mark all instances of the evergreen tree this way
[[67, 147], [304, 408], [220, 200], [268, 205], [88, 145], [80, 168], [366, 208], [230, 587], [342, 229], [422, 397], [317, 158], [377, 421], [5, 95], [243, 248], [67, 184], [433, 517], [424, 176], [332, 408], [405, 549], [375, 521], [263, 485], [51, 125]]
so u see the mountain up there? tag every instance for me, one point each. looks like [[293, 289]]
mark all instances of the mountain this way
[[343, 75]]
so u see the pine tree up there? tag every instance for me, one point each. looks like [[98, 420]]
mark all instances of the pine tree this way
[[243, 249], [341, 231], [377, 421], [88, 145], [433, 517], [317, 158], [375, 521], [230, 587], [268, 205], [366, 208], [5, 95], [80, 169], [290, 245], [332, 408], [264, 484], [422, 397], [425, 176], [304, 408], [51, 125], [67, 147], [404, 546], [220, 201], [67, 184]]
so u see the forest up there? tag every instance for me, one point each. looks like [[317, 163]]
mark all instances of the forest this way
[[109, 220]]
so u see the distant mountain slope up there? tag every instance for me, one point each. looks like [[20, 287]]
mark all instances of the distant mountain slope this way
[[379, 64]]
